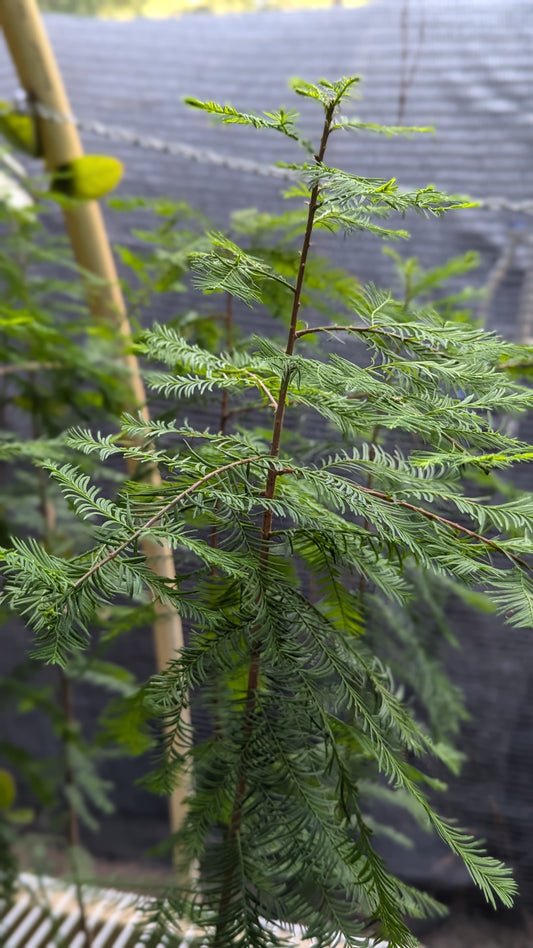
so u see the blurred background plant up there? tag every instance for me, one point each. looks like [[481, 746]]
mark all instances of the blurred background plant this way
[[57, 367]]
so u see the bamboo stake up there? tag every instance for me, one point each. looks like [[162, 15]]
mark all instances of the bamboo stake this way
[[39, 75]]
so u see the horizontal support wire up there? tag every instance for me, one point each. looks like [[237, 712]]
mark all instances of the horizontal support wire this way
[[117, 133], [126, 136]]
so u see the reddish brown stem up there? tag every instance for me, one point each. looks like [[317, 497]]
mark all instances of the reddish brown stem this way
[[436, 518], [158, 516], [372, 330], [266, 527]]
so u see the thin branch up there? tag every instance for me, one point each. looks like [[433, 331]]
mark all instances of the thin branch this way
[[366, 329], [266, 390], [281, 281], [266, 527], [309, 331], [161, 513], [282, 398], [447, 523]]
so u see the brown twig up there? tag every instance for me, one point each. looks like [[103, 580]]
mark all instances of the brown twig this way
[[265, 389], [160, 513], [447, 523], [375, 330], [312, 329], [266, 527]]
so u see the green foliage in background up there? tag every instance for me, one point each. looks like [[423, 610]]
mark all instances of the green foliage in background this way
[[57, 369]]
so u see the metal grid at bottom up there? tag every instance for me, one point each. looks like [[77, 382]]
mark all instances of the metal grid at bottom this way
[[46, 914]]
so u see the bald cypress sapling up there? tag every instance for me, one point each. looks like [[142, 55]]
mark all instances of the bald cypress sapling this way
[[303, 710]]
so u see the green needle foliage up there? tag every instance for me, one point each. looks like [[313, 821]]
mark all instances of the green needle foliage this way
[[286, 558]]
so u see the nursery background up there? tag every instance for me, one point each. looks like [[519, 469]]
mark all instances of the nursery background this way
[[465, 69]]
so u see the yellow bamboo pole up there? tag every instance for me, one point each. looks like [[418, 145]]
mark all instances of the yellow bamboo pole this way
[[39, 76]]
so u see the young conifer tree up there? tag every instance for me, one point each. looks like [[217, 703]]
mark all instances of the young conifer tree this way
[[275, 558]]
